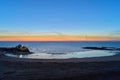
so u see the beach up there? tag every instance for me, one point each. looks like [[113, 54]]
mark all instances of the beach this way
[[102, 68]]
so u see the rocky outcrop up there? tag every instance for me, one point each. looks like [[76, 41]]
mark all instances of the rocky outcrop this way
[[20, 49], [101, 48]]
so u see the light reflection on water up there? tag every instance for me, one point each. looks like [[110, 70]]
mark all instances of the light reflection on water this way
[[81, 54]]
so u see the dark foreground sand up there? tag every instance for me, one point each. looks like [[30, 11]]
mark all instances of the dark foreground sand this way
[[104, 68]]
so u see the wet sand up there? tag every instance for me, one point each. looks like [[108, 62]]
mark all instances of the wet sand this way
[[102, 68]]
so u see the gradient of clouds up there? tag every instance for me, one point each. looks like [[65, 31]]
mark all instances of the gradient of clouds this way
[[19, 33]]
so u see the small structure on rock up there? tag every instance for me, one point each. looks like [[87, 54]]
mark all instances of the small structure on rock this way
[[22, 48]]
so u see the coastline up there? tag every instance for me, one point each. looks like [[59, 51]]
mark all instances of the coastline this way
[[99, 68], [91, 59]]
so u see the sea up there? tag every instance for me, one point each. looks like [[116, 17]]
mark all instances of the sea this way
[[62, 49]]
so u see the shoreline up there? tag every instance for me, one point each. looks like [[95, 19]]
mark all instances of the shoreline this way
[[115, 57]]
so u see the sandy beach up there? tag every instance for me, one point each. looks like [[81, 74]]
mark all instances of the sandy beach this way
[[102, 68]]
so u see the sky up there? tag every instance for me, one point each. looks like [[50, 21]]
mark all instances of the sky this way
[[59, 20]]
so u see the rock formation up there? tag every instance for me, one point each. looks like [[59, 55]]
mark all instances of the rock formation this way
[[102, 48], [20, 49]]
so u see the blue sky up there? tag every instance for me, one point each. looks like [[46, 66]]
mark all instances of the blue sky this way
[[72, 17]]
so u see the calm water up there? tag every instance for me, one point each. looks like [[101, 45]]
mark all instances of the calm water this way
[[62, 50]]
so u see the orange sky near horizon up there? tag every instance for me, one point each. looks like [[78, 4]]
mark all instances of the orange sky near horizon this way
[[57, 38]]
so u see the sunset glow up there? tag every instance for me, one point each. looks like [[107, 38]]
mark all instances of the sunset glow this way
[[56, 38]]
